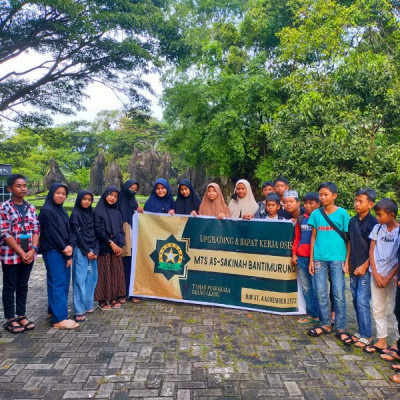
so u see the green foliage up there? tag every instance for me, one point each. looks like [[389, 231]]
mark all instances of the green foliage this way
[[75, 146], [113, 42], [308, 89]]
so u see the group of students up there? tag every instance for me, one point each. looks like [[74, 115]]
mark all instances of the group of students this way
[[97, 243]]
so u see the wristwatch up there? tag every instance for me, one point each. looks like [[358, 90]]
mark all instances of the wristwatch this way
[[35, 248]]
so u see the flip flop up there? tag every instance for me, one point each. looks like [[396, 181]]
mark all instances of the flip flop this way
[[390, 350], [66, 324], [115, 304], [395, 378], [374, 348], [104, 306], [396, 367], [307, 320], [314, 331], [80, 318], [393, 356]]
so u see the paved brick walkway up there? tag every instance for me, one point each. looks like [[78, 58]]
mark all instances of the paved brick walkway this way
[[163, 350]]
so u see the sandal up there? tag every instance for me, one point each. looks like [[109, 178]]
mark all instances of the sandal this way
[[314, 331], [392, 356], [395, 378], [15, 329], [396, 367], [29, 326], [80, 318], [347, 339], [364, 342], [390, 350], [121, 300], [370, 349], [135, 300], [115, 304], [104, 306], [66, 324], [307, 320]]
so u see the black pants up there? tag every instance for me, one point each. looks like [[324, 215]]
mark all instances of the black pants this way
[[15, 288], [397, 312], [127, 262]]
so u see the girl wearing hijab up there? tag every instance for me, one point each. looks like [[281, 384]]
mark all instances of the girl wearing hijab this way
[[127, 206], [243, 205], [57, 243], [108, 228], [84, 263], [213, 203], [187, 201], [160, 200]]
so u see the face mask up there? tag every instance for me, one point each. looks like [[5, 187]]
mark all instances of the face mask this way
[[132, 191]]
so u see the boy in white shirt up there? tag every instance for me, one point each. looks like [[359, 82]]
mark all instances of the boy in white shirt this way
[[383, 257]]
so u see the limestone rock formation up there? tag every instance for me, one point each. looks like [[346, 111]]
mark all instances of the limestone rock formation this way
[[74, 186], [198, 178], [113, 175], [97, 174], [54, 175], [146, 167]]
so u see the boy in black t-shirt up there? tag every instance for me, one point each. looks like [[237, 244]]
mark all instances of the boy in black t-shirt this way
[[357, 265]]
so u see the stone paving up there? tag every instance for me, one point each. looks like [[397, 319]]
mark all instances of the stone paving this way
[[165, 350]]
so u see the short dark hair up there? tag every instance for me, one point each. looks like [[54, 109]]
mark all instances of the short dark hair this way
[[267, 183], [370, 193], [14, 177], [281, 179], [328, 185], [387, 205], [311, 196], [273, 197]]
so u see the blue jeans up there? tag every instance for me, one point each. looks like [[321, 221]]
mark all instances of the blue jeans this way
[[361, 291], [58, 278], [320, 282], [310, 296], [84, 280]]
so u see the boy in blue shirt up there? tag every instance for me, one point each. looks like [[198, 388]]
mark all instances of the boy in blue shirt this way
[[327, 254]]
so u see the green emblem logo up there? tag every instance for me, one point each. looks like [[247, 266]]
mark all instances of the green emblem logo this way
[[170, 257]]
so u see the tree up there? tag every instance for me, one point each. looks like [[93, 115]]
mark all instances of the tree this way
[[308, 89], [80, 41], [223, 96], [341, 121]]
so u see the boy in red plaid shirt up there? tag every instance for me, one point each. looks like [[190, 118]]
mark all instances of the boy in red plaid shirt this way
[[19, 238]]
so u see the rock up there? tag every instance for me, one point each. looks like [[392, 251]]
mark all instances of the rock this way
[[113, 176], [198, 178], [97, 174], [54, 175], [74, 186], [147, 166]]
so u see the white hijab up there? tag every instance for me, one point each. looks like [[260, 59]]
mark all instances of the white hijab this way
[[246, 205]]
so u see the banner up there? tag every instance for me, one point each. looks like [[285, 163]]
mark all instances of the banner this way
[[229, 263]]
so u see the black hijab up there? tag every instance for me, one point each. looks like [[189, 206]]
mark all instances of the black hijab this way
[[57, 211], [185, 205], [84, 217], [160, 204], [127, 202], [109, 213]]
